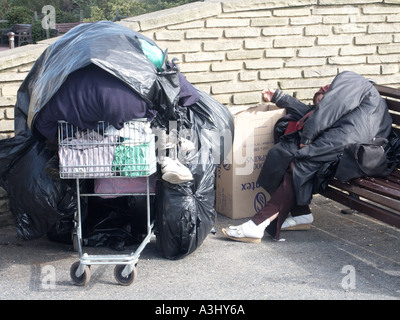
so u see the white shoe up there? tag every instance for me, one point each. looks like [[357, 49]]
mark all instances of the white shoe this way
[[185, 146], [246, 232], [165, 141], [174, 172], [302, 222]]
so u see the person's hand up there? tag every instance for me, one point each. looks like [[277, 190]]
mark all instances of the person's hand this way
[[302, 145], [268, 94]]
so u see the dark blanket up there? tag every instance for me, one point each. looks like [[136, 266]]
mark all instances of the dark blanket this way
[[92, 94]]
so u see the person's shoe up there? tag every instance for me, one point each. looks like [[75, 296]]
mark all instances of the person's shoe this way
[[185, 146], [246, 232], [174, 172], [302, 222]]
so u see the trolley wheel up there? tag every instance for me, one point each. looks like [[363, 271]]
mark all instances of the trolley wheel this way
[[75, 240], [82, 280], [124, 281]]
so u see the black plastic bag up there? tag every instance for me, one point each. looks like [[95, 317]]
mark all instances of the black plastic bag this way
[[185, 213], [37, 201], [11, 151], [115, 223]]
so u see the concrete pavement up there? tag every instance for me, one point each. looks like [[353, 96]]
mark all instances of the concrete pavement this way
[[348, 257]]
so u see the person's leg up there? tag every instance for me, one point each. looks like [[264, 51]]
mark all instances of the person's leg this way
[[282, 201]]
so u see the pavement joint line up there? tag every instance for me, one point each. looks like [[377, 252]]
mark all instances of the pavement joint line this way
[[356, 245]]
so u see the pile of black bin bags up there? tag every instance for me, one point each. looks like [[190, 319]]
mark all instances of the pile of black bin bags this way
[[184, 213]]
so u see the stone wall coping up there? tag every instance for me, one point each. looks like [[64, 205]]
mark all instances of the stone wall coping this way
[[208, 8]]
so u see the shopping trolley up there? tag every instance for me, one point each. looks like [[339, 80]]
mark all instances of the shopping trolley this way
[[107, 153]]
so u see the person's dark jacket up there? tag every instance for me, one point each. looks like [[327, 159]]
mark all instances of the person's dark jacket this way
[[352, 111]]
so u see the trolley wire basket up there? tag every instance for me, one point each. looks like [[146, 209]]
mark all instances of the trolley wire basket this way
[[105, 152]]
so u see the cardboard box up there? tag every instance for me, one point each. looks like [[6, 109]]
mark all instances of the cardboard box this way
[[237, 193]]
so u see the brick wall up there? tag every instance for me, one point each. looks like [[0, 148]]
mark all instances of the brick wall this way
[[232, 49]]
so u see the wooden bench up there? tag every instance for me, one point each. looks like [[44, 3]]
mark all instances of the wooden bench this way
[[22, 33], [62, 28], [378, 198]]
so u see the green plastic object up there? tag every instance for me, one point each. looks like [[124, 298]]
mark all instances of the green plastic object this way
[[153, 53], [131, 161]]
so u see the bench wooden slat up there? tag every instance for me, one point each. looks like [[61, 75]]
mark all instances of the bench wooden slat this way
[[380, 186], [364, 207], [395, 176], [387, 91], [396, 173], [394, 179], [66, 26], [368, 194], [366, 184], [393, 104]]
